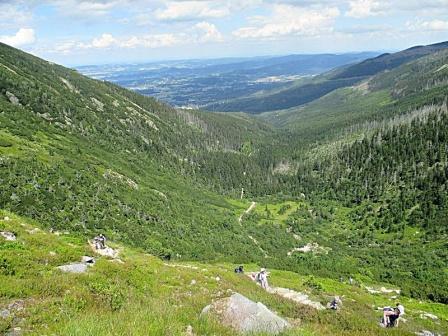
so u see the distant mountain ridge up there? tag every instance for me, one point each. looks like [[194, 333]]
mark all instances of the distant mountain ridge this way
[[305, 91], [196, 83]]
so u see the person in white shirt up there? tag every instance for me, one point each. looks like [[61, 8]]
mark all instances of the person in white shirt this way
[[262, 278]]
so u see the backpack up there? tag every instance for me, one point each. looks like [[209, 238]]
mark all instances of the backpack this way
[[258, 277]]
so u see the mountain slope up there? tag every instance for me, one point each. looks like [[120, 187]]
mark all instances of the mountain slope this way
[[88, 157]]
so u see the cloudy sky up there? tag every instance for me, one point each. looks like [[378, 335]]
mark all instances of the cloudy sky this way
[[75, 32]]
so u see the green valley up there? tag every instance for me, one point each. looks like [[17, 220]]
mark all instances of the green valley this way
[[346, 180]]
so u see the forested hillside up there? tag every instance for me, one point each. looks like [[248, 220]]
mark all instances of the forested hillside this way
[[83, 155], [361, 172]]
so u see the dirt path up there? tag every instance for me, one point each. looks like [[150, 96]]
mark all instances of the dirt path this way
[[296, 297], [249, 209]]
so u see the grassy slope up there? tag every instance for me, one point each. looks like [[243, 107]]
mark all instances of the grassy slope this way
[[151, 297]]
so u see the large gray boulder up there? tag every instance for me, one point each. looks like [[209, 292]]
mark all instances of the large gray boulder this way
[[244, 315]]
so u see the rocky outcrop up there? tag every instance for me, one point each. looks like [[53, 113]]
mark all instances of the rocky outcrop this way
[[13, 99], [244, 315]]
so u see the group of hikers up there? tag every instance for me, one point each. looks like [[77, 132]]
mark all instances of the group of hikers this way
[[260, 277], [390, 315]]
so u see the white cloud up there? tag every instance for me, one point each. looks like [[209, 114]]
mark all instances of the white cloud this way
[[433, 25], [290, 20], [13, 15], [105, 41], [88, 8], [24, 36], [207, 32], [364, 8], [202, 32], [190, 10]]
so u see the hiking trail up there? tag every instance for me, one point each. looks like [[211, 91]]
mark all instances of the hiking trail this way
[[249, 209]]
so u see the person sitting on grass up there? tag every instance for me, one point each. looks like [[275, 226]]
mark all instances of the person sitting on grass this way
[[239, 269]]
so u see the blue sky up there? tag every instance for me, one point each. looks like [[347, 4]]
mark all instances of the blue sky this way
[[76, 32]]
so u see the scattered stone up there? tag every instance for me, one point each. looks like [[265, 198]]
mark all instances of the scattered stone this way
[[189, 331], [218, 278], [17, 305], [383, 290], [99, 105], [107, 252], [5, 313], [181, 266], [426, 316], [426, 333], [74, 268], [47, 116], [17, 331], [296, 297], [117, 260], [193, 282], [52, 253], [6, 218], [13, 99], [69, 85], [310, 247], [33, 231], [244, 315], [8, 235], [113, 175]]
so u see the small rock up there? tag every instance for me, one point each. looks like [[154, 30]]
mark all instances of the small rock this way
[[8, 235], [425, 333], [193, 282], [218, 278], [5, 313], [12, 98], [17, 305], [74, 268], [189, 331], [52, 253], [33, 231], [6, 218], [17, 331], [425, 316]]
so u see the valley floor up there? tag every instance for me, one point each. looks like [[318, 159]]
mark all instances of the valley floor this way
[[139, 294]]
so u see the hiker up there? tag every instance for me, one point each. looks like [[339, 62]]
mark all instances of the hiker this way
[[262, 278], [350, 281], [335, 303], [239, 269], [391, 316], [100, 242]]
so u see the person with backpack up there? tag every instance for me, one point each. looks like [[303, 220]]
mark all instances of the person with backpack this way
[[262, 279], [391, 316], [100, 242]]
